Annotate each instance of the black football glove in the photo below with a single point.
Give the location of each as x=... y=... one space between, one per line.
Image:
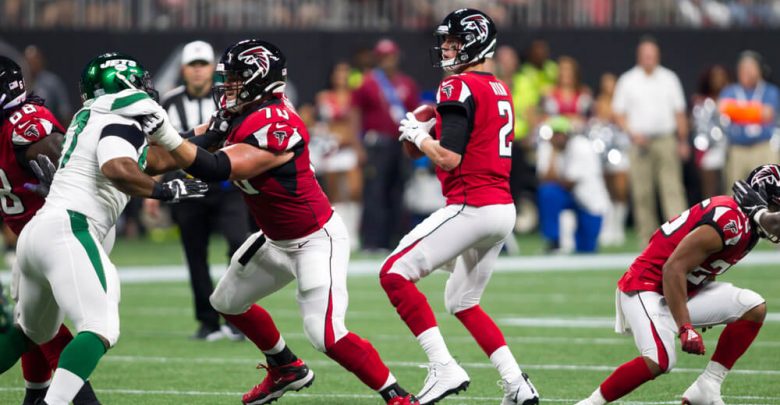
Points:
x=44 y=170
x=750 y=200
x=219 y=129
x=179 y=189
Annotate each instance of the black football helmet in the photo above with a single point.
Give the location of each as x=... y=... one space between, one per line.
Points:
x=248 y=71
x=12 y=87
x=477 y=33
x=765 y=180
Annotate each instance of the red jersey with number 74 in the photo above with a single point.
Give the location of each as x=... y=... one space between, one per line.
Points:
x=22 y=126
x=482 y=178
x=721 y=213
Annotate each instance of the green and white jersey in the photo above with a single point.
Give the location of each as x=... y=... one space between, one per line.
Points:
x=104 y=129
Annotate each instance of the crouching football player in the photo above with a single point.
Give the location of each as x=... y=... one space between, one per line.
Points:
x=670 y=290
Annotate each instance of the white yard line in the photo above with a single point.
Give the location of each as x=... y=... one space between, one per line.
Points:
x=464 y=397
x=513 y=264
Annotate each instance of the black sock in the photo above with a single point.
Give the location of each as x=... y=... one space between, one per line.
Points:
x=286 y=356
x=32 y=394
x=394 y=390
x=86 y=396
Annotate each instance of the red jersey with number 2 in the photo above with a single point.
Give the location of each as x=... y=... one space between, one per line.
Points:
x=21 y=127
x=482 y=178
x=721 y=213
x=286 y=201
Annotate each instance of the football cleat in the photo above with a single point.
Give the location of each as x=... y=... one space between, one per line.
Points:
x=702 y=392
x=280 y=379
x=407 y=400
x=443 y=379
x=519 y=392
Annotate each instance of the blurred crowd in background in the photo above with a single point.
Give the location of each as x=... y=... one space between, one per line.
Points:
x=378 y=14
x=587 y=162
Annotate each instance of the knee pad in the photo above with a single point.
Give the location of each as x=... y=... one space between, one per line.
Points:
x=222 y=301
x=314 y=328
x=749 y=299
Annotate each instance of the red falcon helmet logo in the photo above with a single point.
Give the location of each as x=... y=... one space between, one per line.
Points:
x=258 y=56
x=768 y=174
x=477 y=23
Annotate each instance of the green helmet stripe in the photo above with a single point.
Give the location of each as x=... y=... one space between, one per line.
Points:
x=125 y=101
x=77 y=126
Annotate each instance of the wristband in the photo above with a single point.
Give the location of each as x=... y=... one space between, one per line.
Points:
x=158 y=192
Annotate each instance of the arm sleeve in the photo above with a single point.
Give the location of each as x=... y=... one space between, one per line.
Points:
x=119 y=140
x=455 y=128
x=210 y=166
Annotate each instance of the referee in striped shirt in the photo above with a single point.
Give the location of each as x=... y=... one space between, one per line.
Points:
x=222 y=210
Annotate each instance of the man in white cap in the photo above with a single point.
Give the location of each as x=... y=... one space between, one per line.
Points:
x=222 y=209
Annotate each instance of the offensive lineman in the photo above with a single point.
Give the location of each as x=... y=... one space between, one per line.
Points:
x=670 y=289
x=28 y=128
x=301 y=238
x=64 y=267
x=474 y=126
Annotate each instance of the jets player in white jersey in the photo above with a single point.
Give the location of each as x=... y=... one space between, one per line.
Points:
x=63 y=251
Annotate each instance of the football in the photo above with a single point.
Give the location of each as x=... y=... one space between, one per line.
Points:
x=422 y=113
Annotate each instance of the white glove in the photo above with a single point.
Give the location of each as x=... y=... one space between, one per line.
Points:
x=158 y=128
x=415 y=131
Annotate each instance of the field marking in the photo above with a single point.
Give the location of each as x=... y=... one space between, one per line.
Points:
x=406 y=364
x=504 y=264
x=465 y=397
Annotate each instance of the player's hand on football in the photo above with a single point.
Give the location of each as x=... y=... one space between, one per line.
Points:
x=415 y=131
x=751 y=201
x=44 y=170
x=179 y=189
x=690 y=340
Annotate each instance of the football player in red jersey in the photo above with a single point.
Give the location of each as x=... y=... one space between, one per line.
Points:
x=28 y=129
x=472 y=150
x=670 y=290
x=301 y=238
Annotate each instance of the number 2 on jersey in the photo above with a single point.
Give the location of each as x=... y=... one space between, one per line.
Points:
x=504 y=143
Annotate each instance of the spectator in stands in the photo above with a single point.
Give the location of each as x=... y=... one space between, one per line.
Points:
x=614 y=150
x=650 y=106
x=709 y=141
x=221 y=210
x=379 y=105
x=362 y=62
x=751 y=104
x=569 y=97
x=47 y=85
x=536 y=77
x=570 y=178
x=342 y=175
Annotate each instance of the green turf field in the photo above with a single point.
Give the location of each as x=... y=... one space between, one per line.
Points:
x=155 y=363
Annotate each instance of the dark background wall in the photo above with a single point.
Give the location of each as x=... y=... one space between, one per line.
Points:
x=310 y=54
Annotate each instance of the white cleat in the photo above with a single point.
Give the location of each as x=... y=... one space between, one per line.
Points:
x=702 y=392
x=443 y=379
x=519 y=392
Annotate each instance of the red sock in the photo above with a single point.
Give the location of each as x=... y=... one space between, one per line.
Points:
x=35 y=367
x=482 y=328
x=734 y=341
x=53 y=348
x=358 y=356
x=409 y=302
x=257 y=325
x=625 y=379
